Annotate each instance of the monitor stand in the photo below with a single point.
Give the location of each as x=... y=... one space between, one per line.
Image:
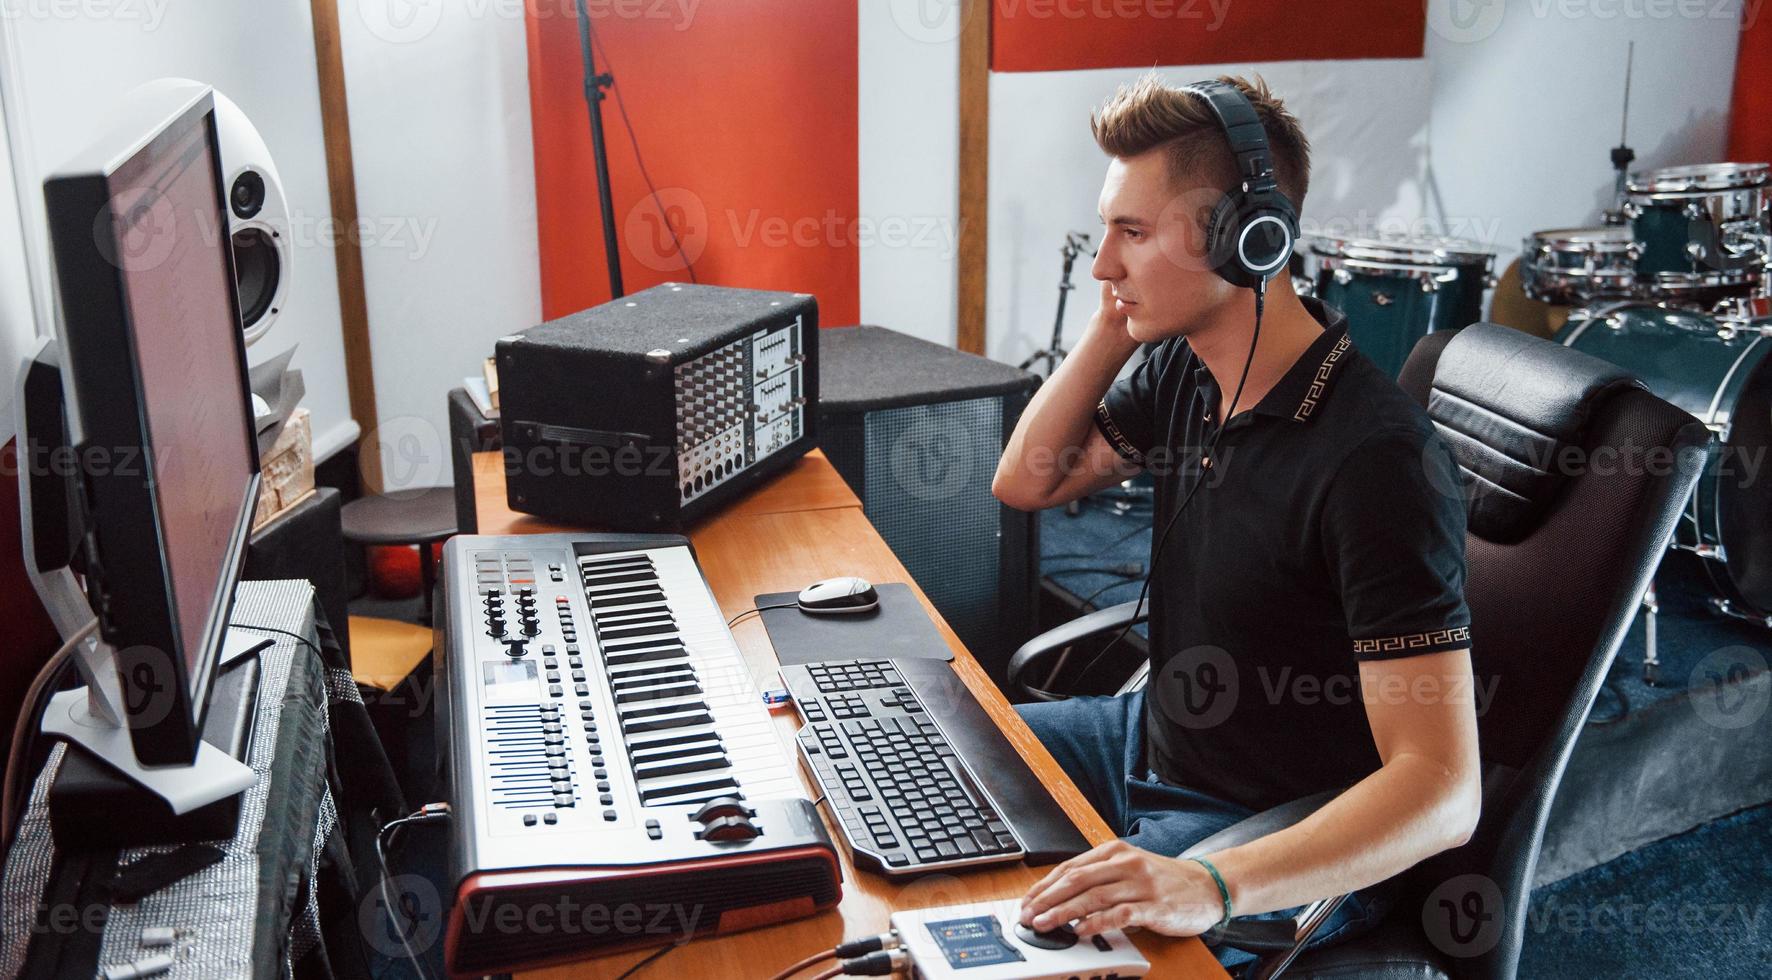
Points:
x=92 y=717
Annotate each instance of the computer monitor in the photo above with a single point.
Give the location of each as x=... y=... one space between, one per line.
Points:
x=158 y=404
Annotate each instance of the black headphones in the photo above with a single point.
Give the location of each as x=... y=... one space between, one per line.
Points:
x=1253 y=227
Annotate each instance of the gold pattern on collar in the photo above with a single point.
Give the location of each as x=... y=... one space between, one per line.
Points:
x=1320 y=383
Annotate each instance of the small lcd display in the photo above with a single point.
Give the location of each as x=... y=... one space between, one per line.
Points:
x=510 y=680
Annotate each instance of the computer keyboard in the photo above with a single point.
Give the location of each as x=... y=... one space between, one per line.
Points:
x=904 y=800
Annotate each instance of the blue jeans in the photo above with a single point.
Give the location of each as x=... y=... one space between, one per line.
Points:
x=1099 y=742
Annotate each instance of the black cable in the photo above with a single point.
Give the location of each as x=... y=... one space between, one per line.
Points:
x=383 y=841
x=1097 y=594
x=1211 y=452
x=650 y=959
x=1131 y=569
x=622 y=107
x=747 y=612
x=272 y=629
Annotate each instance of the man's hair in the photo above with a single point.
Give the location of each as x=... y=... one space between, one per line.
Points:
x=1151 y=115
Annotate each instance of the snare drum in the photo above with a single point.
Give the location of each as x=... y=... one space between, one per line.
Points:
x=1720 y=373
x=1397 y=290
x=1703 y=230
x=1574 y=266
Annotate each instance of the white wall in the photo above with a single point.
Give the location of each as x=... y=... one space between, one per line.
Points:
x=18 y=325
x=909 y=120
x=1528 y=99
x=67 y=64
x=440 y=129
x=1046 y=172
x=1502 y=128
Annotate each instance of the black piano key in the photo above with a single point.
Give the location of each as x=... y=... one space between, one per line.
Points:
x=644 y=710
x=664 y=741
x=662 y=723
x=678 y=767
x=659 y=628
x=654 y=655
x=697 y=791
x=643 y=676
x=677 y=747
x=601 y=603
x=641 y=695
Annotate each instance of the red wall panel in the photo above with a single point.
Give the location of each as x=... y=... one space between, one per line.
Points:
x=746 y=114
x=1750 y=111
x=1056 y=35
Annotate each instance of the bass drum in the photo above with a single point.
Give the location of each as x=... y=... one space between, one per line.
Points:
x=1721 y=374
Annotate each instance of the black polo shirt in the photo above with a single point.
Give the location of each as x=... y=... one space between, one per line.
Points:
x=1330 y=530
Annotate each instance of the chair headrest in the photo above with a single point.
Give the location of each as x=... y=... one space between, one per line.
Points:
x=1510 y=404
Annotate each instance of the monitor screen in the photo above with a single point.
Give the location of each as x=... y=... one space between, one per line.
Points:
x=171 y=241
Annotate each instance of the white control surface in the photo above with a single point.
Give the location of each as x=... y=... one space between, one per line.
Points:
x=985 y=942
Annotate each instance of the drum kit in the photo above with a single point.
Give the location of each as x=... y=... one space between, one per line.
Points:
x=1677 y=296
x=1676 y=289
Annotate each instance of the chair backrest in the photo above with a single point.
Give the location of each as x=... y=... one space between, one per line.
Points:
x=1574 y=478
x=31 y=636
x=469 y=432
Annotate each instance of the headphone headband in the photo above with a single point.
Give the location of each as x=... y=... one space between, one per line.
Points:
x=1252 y=231
x=1242 y=129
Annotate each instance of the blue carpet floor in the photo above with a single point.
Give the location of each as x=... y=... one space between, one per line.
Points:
x=1696 y=905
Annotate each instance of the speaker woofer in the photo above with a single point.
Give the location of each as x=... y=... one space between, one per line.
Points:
x=257 y=272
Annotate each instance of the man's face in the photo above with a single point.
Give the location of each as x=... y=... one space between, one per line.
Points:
x=1154 y=249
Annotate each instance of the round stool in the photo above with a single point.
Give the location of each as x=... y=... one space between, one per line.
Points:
x=421 y=517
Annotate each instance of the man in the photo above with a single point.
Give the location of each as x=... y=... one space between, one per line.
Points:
x=1308 y=630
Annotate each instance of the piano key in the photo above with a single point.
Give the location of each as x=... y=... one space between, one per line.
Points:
x=644 y=772
x=653 y=692
x=659 y=723
x=652 y=706
x=664 y=791
x=653 y=655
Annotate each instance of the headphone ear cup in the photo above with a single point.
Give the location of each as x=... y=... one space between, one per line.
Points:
x=1221 y=240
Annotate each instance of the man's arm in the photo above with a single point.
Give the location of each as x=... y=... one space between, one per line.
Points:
x=1056 y=455
x=1423 y=799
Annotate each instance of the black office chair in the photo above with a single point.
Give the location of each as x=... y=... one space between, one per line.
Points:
x=1557 y=563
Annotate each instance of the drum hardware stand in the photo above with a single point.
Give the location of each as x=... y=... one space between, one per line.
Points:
x=1726 y=608
x=1622 y=154
x=1075 y=244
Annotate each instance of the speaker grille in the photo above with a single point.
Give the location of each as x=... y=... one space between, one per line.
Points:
x=927 y=489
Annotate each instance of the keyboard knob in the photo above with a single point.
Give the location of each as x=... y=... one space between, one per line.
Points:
x=728 y=829
x=725 y=806
x=516 y=649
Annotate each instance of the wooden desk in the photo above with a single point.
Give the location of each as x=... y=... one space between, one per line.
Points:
x=802 y=526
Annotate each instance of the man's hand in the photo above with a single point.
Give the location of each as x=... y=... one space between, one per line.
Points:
x=1118 y=886
x=1110 y=323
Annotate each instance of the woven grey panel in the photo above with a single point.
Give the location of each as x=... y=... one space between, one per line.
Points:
x=218 y=903
x=929 y=470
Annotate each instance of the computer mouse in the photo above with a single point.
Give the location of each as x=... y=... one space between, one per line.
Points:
x=843 y=594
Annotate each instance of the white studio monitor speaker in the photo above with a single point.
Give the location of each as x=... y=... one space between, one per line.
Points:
x=258 y=215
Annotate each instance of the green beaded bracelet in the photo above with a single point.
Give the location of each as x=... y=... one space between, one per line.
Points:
x=1224 y=892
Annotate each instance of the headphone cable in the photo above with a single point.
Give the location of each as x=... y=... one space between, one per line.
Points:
x=1211 y=450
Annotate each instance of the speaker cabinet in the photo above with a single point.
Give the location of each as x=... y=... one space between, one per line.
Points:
x=916 y=429
x=257 y=213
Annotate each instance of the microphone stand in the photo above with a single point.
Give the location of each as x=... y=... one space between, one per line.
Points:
x=1075 y=244
x=594 y=85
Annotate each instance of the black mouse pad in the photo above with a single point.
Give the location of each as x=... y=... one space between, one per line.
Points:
x=898 y=629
